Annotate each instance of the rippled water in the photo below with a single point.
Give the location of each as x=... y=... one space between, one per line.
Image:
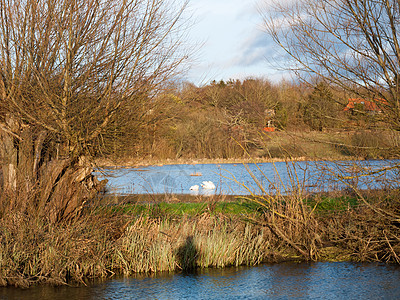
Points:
x=270 y=177
x=322 y=280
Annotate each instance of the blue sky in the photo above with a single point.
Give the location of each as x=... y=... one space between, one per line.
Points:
x=233 y=44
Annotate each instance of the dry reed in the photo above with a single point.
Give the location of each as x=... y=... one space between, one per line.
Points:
x=98 y=246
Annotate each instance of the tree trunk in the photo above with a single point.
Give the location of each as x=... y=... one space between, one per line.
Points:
x=9 y=158
x=35 y=180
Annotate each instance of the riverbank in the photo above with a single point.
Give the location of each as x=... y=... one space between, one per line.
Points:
x=129 y=239
x=131 y=163
x=282 y=146
x=137 y=163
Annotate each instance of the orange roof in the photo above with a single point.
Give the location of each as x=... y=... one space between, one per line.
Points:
x=368 y=105
x=269 y=129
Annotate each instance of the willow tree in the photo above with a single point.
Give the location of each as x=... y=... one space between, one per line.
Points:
x=67 y=68
x=352 y=44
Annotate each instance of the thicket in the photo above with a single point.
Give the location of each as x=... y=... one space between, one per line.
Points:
x=70 y=71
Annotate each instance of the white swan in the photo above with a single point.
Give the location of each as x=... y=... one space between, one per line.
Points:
x=209 y=185
x=194 y=188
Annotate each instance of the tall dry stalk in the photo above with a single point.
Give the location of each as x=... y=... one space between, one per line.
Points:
x=286 y=214
x=372 y=230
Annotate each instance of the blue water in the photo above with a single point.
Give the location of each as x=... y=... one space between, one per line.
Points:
x=321 y=280
x=244 y=179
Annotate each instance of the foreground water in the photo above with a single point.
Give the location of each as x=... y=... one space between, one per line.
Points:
x=321 y=280
x=242 y=179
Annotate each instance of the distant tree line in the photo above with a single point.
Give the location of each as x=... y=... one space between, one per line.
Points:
x=226 y=119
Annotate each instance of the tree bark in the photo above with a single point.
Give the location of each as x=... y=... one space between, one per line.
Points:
x=36 y=180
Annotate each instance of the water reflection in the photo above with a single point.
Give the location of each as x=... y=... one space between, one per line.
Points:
x=271 y=281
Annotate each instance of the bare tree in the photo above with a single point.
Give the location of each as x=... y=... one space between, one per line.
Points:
x=353 y=44
x=67 y=68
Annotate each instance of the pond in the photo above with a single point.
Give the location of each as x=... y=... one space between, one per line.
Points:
x=320 y=280
x=243 y=179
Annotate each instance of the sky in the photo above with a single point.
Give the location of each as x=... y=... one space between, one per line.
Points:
x=232 y=42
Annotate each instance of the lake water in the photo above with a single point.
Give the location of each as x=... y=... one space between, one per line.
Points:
x=321 y=280
x=240 y=179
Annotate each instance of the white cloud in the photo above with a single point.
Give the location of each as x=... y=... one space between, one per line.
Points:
x=234 y=45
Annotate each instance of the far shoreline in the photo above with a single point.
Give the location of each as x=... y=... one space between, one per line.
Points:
x=137 y=163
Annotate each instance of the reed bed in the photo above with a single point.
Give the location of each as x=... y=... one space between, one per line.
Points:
x=103 y=241
x=99 y=245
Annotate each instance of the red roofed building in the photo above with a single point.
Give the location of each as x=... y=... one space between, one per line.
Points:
x=369 y=106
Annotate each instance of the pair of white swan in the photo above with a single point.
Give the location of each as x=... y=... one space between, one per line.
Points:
x=208 y=185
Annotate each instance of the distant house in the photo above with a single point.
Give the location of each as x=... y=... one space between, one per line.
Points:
x=269 y=118
x=366 y=105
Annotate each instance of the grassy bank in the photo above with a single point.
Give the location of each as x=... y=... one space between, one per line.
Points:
x=134 y=238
